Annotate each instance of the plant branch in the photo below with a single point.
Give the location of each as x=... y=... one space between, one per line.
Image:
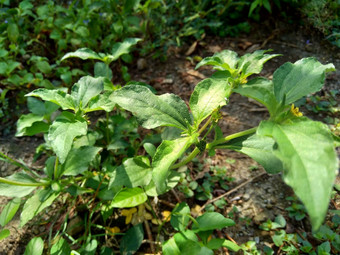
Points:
x=233 y=136
x=205 y=125
x=187 y=159
x=28 y=184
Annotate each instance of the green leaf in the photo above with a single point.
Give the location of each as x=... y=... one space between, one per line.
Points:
x=132 y=173
x=83 y=53
x=35 y=247
x=211 y=221
x=172 y=180
x=293 y=81
x=122 y=48
x=15 y=190
x=103 y=101
x=261 y=90
x=4 y=234
x=309 y=160
x=215 y=243
x=35 y=204
x=102 y=70
x=59 y=97
x=79 y=159
x=150 y=148
x=170 y=247
x=151 y=110
x=252 y=63
x=85 y=89
x=187 y=242
x=166 y=154
x=208 y=95
x=61 y=247
x=224 y=60
x=62 y=132
x=129 y=198
x=259 y=148
x=9 y=211
x=13 y=32
x=180 y=217
x=91 y=247
x=38 y=107
x=25 y=121
x=44 y=67
x=132 y=240
x=231 y=246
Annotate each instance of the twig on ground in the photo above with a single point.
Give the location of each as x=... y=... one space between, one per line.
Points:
x=149 y=234
x=167 y=203
x=231 y=191
x=176 y=196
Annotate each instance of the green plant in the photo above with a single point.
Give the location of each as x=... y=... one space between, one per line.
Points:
x=197 y=239
x=82 y=164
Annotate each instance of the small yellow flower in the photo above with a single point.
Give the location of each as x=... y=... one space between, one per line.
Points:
x=113 y=230
x=166 y=216
x=295 y=111
x=128 y=214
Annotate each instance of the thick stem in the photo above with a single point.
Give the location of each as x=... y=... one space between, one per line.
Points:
x=233 y=136
x=187 y=159
x=56 y=165
x=28 y=184
x=205 y=125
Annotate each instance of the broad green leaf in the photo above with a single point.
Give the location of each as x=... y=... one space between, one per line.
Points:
x=261 y=90
x=180 y=217
x=9 y=190
x=132 y=240
x=231 y=246
x=13 y=32
x=61 y=247
x=102 y=70
x=170 y=247
x=129 y=198
x=252 y=63
x=91 y=247
x=9 y=211
x=59 y=97
x=151 y=110
x=38 y=107
x=83 y=53
x=187 y=242
x=166 y=154
x=44 y=67
x=26 y=121
x=35 y=204
x=119 y=49
x=85 y=89
x=79 y=159
x=36 y=128
x=293 y=81
x=150 y=148
x=259 y=148
x=208 y=95
x=309 y=160
x=62 y=132
x=103 y=101
x=224 y=60
x=4 y=234
x=132 y=173
x=215 y=243
x=35 y=247
x=211 y=221
x=172 y=180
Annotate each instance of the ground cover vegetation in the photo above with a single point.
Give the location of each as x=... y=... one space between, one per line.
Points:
x=111 y=171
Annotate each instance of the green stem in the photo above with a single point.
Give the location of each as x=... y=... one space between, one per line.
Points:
x=233 y=136
x=187 y=159
x=16 y=163
x=205 y=125
x=56 y=165
x=11 y=182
